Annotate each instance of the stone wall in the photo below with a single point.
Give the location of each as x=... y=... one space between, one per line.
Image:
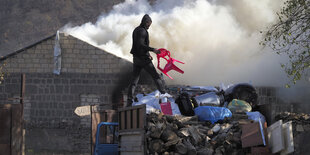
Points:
x=89 y=76
x=272 y=102
x=267 y=99
x=77 y=57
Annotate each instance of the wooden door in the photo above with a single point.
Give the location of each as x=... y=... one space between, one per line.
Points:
x=10 y=129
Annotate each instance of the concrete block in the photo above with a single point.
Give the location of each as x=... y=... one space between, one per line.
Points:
x=12 y=88
x=93 y=71
x=59 y=89
x=66 y=89
x=56 y=81
x=58 y=98
x=21 y=60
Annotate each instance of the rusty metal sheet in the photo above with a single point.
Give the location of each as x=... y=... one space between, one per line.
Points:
x=251 y=135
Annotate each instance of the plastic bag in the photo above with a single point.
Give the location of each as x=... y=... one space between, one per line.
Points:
x=207 y=99
x=256 y=116
x=239 y=106
x=174 y=107
x=185 y=105
x=152 y=102
x=57 y=55
x=212 y=114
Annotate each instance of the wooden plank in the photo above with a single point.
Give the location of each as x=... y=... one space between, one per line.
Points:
x=128 y=119
x=133 y=107
x=135 y=119
x=103 y=117
x=5 y=149
x=141 y=117
x=5 y=129
x=119 y=123
x=5 y=126
x=23 y=88
x=122 y=119
x=111 y=116
x=95 y=120
x=17 y=137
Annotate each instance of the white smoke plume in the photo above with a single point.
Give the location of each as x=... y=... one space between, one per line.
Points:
x=217 y=39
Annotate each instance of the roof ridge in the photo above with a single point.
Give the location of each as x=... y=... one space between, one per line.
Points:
x=25 y=48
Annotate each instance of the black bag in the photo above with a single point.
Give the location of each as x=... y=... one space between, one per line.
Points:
x=185 y=105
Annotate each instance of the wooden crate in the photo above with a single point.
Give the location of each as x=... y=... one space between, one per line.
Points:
x=132 y=118
x=132 y=122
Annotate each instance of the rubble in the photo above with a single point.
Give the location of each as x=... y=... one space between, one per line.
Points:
x=186 y=135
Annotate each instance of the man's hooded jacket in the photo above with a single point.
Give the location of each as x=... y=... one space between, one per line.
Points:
x=140 y=37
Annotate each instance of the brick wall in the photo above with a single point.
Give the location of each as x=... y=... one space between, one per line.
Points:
x=77 y=57
x=88 y=76
x=267 y=99
x=266 y=95
x=272 y=102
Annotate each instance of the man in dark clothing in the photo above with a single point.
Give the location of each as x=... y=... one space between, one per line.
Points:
x=142 y=58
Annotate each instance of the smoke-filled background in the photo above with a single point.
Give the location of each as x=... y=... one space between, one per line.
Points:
x=217 y=39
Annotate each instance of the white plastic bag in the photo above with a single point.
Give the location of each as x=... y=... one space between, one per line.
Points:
x=57 y=55
x=152 y=102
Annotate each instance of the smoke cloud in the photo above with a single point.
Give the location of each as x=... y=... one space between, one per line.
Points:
x=217 y=39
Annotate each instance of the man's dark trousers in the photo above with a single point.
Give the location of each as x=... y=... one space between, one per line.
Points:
x=140 y=63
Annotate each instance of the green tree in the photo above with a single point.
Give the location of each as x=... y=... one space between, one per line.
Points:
x=290 y=35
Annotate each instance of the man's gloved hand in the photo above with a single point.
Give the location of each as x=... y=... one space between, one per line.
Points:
x=156 y=51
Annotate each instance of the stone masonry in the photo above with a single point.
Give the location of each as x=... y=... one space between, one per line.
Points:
x=89 y=76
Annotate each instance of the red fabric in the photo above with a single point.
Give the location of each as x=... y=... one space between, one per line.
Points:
x=170 y=62
x=166 y=108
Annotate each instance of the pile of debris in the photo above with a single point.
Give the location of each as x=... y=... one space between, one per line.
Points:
x=296 y=118
x=300 y=127
x=178 y=134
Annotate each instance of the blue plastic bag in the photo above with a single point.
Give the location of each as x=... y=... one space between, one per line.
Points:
x=212 y=114
x=256 y=116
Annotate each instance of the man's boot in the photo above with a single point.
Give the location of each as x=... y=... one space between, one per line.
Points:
x=129 y=103
x=160 y=85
